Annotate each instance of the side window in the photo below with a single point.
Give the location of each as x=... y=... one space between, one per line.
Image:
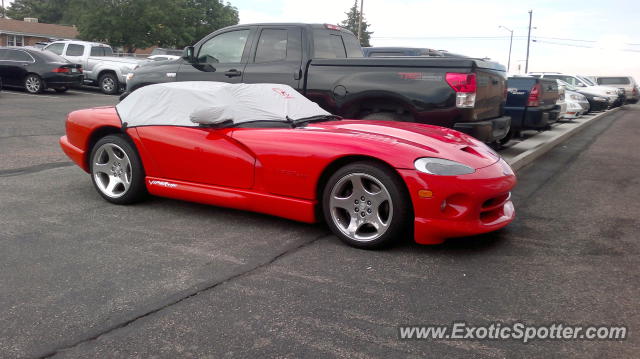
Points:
x=352 y=45
x=272 y=46
x=75 y=50
x=224 y=48
x=56 y=48
x=21 y=56
x=97 y=51
x=328 y=46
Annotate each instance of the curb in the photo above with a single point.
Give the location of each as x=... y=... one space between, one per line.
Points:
x=546 y=141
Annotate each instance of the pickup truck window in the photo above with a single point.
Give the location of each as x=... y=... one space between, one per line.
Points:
x=224 y=48
x=352 y=45
x=75 y=50
x=272 y=46
x=101 y=51
x=328 y=46
x=56 y=48
x=614 y=81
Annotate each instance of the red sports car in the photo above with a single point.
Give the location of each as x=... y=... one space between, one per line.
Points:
x=266 y=148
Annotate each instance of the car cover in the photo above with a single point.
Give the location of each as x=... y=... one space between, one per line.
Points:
x=185 y=103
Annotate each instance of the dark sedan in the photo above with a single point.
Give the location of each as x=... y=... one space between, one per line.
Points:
x=36 y=70
x=596 y=102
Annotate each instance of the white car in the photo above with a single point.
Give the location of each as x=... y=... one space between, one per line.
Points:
x=576 y=103
x=611 y=93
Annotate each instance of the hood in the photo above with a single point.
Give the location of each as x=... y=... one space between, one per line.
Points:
x=433 y=141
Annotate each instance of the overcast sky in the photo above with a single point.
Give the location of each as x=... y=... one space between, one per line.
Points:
x=609 y=28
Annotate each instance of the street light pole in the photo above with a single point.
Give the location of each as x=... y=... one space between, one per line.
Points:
x=526 y=66
x=510 y=45
x=359 y=20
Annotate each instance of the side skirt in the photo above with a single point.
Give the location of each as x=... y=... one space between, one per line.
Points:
x=286 y=207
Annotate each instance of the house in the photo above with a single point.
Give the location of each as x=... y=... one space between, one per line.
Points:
x=30 y=32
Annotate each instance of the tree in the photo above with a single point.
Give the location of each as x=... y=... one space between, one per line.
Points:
x=351 y=23
x=47 y=11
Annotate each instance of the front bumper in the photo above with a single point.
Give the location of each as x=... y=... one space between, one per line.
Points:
x=486 y=131
x=461 y=205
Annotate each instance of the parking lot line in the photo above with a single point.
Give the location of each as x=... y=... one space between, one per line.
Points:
x=88 y=93
x=27 y=94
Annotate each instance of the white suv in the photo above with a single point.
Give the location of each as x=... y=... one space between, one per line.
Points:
x=613 y=94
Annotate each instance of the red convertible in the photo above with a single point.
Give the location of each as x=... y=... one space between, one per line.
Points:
x=266 y=148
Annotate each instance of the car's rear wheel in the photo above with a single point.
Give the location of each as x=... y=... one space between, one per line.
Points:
x=33 y=84
x=116 y=170
x=366 y=205
x=109 y=84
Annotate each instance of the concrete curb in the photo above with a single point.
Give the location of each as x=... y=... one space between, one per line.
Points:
x=544 y=142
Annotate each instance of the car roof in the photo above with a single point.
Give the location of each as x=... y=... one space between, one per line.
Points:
x=78 y=42
x=311 y=26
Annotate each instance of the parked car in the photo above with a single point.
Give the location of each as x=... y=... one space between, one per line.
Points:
x=614 y=95
x=531 y=103
x=101 y=67
x=627 y=83
x=576 y=103
x=561 y=103
x=284 y=155
x=325 y=64
x=400 y=51
x=36 y=70
x=588 y=102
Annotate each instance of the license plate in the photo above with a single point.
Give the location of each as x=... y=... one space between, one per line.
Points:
x=74 y=70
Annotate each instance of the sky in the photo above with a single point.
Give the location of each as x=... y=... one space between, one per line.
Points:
x=608 y=29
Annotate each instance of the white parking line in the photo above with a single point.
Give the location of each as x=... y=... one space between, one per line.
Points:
x=28 y=94
x=88 y=93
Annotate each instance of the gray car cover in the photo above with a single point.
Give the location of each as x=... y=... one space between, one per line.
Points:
x=199 y=102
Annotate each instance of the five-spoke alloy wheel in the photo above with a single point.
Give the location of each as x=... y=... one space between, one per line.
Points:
x=116 y=170
x=365 y=204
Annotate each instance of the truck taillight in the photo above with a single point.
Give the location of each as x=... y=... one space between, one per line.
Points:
x=534 y=96
x=465 y=87
x=332 y=27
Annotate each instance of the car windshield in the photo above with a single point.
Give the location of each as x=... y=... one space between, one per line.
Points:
x=566 y=85
x=586 y=80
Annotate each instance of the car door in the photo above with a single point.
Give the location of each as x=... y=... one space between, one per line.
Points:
x=74 y=53
x=17 y=64
x=198 y=155
x=221 y=58
x=276 y=57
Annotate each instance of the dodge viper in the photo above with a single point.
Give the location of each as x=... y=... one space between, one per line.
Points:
x=266 y=148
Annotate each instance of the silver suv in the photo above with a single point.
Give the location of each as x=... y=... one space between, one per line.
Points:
x=627 y=83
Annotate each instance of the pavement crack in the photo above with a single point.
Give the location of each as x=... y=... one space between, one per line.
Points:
x=33 y=169
x=193 y=292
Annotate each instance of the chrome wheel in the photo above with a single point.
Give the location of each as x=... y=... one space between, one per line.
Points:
x=361 y=207
x=111 y=169
x=108 y=84
x=33 y=84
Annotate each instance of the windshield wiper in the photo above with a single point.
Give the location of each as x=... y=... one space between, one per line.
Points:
x=319 y=118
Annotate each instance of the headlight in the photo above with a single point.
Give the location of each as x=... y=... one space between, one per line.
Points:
x=441 y=167
x=129 y=76
x=575 y=97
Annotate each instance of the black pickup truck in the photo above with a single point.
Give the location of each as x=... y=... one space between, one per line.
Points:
x=326 y=64
x=531 y=103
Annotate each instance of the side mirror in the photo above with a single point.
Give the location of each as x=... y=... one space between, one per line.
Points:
x=189 y=54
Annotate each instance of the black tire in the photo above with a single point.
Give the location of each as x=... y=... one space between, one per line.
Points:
x=336 y=218
x=61 y=89
x=33 y=84
x=109 y=84
x=137 y=189
x=506 y=138
x=383 y=116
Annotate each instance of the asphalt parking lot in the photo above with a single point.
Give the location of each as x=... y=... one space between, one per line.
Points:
x=84 y=278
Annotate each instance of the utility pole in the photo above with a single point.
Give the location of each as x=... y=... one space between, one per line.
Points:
x=510 y=45
x=359 y=20
x=526 y=66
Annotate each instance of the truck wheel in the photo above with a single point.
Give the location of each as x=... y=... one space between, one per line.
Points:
x=383 y=116
x=33 y=84
x=109 y=84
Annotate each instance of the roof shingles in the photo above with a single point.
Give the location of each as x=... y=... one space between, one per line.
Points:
x=36 y=28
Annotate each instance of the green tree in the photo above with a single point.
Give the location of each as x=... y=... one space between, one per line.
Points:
x=351 y=23
x=47 y=11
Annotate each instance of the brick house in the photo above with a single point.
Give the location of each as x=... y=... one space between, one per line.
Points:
x=29 y=32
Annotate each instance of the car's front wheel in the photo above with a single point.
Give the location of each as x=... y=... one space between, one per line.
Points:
x=33 y=84
x=109 y=84
x=366 y=205
x=116 y=170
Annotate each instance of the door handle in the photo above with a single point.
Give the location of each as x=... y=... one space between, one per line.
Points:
x=233 y=73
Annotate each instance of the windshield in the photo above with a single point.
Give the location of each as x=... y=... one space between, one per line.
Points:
x=586 y=80
x=567 y=85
